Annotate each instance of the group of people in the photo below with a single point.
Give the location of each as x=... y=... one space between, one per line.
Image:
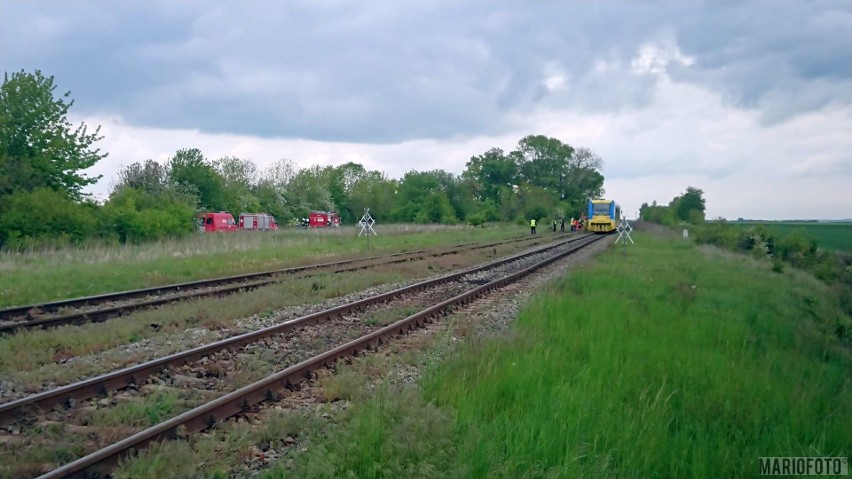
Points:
x=576 y=224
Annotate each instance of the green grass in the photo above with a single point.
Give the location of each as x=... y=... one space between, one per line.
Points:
x=27 y=278
x=676 y=361
x=832 y=236
x=34 y=358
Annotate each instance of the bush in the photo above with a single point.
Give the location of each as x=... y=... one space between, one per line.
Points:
x=44 y=216
x=132 y=215
x=476 y=219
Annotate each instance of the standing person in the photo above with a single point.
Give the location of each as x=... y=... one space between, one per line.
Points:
x=561 y=225
x=554 y=225
x=532 y=226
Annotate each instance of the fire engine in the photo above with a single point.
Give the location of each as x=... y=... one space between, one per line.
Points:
x=323 y=219
x=257 y=222
x=221 y=221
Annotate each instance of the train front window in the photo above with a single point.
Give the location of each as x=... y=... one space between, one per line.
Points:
x=601 y=209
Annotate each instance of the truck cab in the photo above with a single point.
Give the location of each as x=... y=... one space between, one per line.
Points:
x=213 y=222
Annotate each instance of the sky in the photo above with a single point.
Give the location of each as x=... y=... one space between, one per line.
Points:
x=749 y=101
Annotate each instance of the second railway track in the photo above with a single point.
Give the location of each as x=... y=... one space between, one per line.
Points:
x=106 y=306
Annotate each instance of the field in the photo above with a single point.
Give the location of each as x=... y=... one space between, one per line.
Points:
x=833 y=236
x=676 y=361
x=31 y=277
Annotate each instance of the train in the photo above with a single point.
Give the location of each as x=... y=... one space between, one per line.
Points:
x=603 y=216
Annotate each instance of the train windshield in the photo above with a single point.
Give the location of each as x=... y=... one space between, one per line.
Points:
x=601 y=209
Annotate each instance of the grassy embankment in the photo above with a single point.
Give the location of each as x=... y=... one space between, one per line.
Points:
x=678 y=361
x=830 y=236
x=50 y=275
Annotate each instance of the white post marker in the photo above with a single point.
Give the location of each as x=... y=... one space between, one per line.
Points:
x=366 y=224
x=624 y=230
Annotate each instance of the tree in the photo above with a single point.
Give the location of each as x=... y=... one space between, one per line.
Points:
x=375 y=191
x=145 y=204
x=239 y=178
x=690 y=205
x=545 y=162
x=149 y=176
x=39 y=148
x=415 y=195
x=190 y=171
x=307 y=191
x=489 y=172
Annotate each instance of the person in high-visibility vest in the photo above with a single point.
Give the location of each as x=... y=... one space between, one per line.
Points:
x=532 y=226
x=554 y=225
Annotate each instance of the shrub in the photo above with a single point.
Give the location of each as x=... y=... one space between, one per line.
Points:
x=44 y=216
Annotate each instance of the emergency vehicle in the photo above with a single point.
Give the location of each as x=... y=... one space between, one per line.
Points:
x=323 y=219
x=221 y=221
x=257 y=222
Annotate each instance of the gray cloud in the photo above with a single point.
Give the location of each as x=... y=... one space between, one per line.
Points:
x=392 y=71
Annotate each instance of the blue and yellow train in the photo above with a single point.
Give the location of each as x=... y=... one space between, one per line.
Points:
x=603 y=216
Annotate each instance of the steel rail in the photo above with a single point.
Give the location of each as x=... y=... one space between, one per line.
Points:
x=122 y=378
x=233 y=284
x=269 y=388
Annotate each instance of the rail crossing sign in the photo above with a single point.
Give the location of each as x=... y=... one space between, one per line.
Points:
x=624 y=230
x=366 y=224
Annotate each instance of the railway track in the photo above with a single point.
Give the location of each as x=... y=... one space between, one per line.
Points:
x=106 y=306
x=232 y=403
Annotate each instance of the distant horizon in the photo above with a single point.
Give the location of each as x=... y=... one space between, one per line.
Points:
x=811 y=220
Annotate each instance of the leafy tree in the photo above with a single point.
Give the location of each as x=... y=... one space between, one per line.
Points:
x=271 y=189
x=340 y=180
x=308 y=191
x=239 y=178
x=149 y=176
x=39 y=148
x=192 y=173
x=375 y=191
x=145 y=204
x=545 y=162
x=489 y=172
x=415 y=195
x=690 y=205
x=436 y=208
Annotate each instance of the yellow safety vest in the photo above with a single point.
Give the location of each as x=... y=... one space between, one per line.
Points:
x=532 y=223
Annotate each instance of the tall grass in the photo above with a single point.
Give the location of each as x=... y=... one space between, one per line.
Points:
x=672 y=362
x=71 y=272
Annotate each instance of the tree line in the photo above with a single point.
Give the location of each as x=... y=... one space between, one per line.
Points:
x=686 y=208
x=43 y=156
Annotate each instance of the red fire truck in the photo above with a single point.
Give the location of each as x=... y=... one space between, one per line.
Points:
x=257 y=222
x=323 y=219
x=221 y=221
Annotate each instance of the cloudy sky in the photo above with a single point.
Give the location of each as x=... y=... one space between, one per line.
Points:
x=750 y=101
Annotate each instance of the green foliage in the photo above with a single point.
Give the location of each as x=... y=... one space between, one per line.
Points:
x=190 y=171
x=39 y=148
x=44 y=217
x=429 y=197
x=688 y=207
x=238 y=179
x=489 y=172
x=132 y=215
x=375 y=191
x=796 y=248
x=436 y=208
